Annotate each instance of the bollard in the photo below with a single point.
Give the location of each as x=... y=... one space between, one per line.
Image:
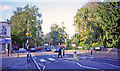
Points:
x=91 y=52
x=75 y=55
x=17 y=54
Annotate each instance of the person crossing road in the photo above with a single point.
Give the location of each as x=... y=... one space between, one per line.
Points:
x=59 y=52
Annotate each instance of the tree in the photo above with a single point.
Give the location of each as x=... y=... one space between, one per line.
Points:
x=100 y=20
x=109 y=13
x=53 y=36
x=23 y=17
x=87 y=22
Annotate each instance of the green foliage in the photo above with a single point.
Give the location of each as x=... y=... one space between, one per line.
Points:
x=53 y=36
x=110 y=19
x=22 y=19
x=98 y=44
x=98 y=20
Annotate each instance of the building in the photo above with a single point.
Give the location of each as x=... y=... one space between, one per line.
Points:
x=5 y=37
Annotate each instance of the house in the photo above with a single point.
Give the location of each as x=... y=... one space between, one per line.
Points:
x=5 y=37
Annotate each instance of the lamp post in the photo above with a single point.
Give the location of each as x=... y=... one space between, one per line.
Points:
x=63 y=36
x=27 y=35
x=91 y=44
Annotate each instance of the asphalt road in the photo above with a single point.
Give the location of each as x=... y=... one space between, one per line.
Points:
x=49 y=60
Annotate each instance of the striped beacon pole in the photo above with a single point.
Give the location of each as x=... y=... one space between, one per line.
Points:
x=27 y=34
x=91 y=44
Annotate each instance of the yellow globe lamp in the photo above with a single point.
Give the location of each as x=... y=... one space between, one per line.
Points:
x=60 y=36
x=65 y=36
x=27 y=34
x=90 y=36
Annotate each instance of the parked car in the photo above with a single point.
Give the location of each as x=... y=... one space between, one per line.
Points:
x=32 y=49
x=39 y=48
x=14 y=47
x=97 y=48
x=48 y=49
x=55 y=49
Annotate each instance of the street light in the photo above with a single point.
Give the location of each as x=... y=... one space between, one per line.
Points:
x=63 y=36
x=27 y=34
x=91 y=44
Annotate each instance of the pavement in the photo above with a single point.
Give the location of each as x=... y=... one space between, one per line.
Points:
x=115 y=55
x=15 y=62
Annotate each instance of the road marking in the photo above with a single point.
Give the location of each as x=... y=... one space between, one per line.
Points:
x=79 y=64
x=34 y=57
x=89 y=67
x=41 y=65
x=85 y=57
x=42 y=60
x=51 y=59
x=114 y=66
x=90 y=57
x=105 y=63
x=82 y=57
x=35 y=63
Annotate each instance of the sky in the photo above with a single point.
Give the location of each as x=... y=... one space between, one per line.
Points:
x=53 y=12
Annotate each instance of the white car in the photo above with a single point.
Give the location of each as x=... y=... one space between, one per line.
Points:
x=32 y=49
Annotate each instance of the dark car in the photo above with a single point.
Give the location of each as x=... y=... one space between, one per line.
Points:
x=48 y=49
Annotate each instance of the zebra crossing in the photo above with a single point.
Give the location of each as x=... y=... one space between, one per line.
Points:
x=81 y=57
x=49 y=60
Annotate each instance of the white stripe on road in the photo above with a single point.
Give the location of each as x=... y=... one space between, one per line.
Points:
x=51 y=59
x=114 y=66
x=89 y=67
x=41 y=65
x=42 y=60
x=79 y=64
x=105 y=63
x=85 y=57
x=82 y=57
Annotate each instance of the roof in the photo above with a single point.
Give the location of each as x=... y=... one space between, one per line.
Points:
x=5 y=22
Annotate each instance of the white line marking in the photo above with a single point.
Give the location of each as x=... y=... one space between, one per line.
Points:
x=51 y=59
x=79 y=64
x=89 y=67
x=42 y=60
x=90 y=57
x=104 y=63
x=114 y=66
x=82 y=57
x=41 y=65
x=35 y=63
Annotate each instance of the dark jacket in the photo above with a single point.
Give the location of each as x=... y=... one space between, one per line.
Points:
x=59 y=50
